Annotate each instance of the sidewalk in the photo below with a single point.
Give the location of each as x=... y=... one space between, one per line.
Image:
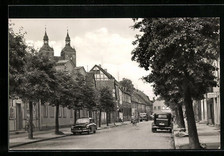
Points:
x=209 y=137
x=21 y=137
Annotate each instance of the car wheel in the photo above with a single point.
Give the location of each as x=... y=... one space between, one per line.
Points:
x=153 y=130
x=73 y=133
x=170 y=130
x=94 y=131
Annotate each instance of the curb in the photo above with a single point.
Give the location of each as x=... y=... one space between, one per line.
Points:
x=64 y=135
x=173 y=140
x=26 y=143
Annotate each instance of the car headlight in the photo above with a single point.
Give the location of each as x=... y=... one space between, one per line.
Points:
x=87 y=126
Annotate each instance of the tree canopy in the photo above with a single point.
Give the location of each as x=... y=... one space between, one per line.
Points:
x=127 y=84
x=106 y=100
x=176 y=49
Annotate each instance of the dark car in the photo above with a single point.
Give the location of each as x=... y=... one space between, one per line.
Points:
x=143 y=116
x=162 y=121
x=84 y=125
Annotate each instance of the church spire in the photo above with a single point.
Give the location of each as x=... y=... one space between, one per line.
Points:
x=45 y=37
x=67 y=39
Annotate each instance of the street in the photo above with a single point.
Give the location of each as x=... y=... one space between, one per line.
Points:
x=122 y=137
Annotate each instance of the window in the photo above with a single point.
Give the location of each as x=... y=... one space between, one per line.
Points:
x=159 y=108
x=154 y=107
x=12 y=113
x=64 y=112
x=45 y=111
x=51 y=111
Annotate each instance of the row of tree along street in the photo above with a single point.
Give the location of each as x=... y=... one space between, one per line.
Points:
x=179 y=52
x=33 y=78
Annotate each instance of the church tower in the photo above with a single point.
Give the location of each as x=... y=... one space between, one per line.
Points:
x=68 y=53
x=46 y=49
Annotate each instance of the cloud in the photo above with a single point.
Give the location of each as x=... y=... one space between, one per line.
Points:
x=112 y=50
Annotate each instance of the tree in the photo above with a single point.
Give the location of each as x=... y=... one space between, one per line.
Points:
x=65 y=94
x=127 y=84
x=84 y=93
x=30 y=75
x=17 y=61
x=106 y=101
x=179 y=51
x=173 y=99
x=37 y=83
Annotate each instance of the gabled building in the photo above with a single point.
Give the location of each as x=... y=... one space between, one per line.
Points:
x=105 y=79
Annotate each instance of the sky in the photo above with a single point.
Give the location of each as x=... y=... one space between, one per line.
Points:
x=107 y=42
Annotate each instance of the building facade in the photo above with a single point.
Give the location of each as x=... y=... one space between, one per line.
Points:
x=208 y=109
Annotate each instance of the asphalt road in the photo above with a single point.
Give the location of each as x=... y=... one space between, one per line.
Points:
x=122 y=137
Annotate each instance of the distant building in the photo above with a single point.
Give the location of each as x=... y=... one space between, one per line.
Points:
x=159 y=106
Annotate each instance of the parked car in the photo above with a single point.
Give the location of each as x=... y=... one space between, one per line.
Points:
x=84 y=125
x=162 y=121
x=143 y=116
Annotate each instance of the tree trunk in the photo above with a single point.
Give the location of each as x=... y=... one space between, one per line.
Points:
x=100 y=119
x=181 y=116
x=30 y=128
x=177 y=119
x=192 y=130
x=56 y=119
x=107 y=118
x=75 y=116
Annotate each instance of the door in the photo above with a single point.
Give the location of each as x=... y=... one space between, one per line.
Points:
x=19 y=122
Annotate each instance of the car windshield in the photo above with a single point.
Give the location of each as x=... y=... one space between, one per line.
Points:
x=80 y=121
x=162 y=116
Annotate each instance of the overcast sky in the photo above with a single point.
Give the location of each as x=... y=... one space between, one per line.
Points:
x=97 y=41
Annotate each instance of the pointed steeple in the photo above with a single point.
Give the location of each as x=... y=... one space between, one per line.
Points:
x=67 y=39
x=45 y=37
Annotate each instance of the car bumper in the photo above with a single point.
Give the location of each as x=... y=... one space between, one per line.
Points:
x=80 y=130
x=158 y=127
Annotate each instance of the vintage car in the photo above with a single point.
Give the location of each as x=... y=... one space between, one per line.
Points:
x=84 y=125
x=143 y=116
x=162 y=121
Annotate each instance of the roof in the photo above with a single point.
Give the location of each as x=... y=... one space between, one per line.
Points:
x=105 y=72
x=140 y=97
x=68 y=48
x=46 y=47
x=80 y=68
x=62 y=61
